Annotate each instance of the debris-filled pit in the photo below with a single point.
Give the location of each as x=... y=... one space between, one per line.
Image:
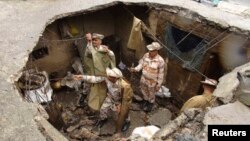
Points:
x=192 y=49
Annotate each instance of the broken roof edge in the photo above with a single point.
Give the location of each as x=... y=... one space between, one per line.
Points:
x=203 y=18
x=172 y=7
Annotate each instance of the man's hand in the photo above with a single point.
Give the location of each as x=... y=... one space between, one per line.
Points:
x=88 y=37
x=77 y=77
x=105 y=48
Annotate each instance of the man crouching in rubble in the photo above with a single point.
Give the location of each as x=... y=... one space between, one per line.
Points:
x=118 y=100
x=152 y=65
x=204 y=100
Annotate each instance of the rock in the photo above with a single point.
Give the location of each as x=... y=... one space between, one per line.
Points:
x=243 y=91
x=186 y=130
x=171 y=127
x=160 y=117
x=137 y=119
x=136 y=138
x=167 y=130
x=194 y=127
x=69 y=118
x=191 y=113
x=79 y=111
x=84 y=122
x=225 y=88
x=228 y=84
x=137 y=98
x=185 y=137
x=233 y=113
x=135 y=107
x=108 y=128
x=84 y=133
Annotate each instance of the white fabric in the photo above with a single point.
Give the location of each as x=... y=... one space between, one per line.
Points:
x=96 y=35
x=115 y=72
x=209 y=82
x=146 y=132
x=163 y=92
x=154 y=46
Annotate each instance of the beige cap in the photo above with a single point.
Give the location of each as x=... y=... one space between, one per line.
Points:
x=115 y=72
x=154 y=46
x=209 y=81
x=97 y=35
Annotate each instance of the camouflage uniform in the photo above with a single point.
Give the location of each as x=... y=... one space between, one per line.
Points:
x=114 y=96
x=152 y=75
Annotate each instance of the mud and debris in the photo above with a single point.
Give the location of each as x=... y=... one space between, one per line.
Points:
x=77 y=122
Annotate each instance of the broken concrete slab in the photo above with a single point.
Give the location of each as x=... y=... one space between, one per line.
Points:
x=160 y=117
x=233 y=113
x=137 y=119
x=228 y=84
x=233 y=8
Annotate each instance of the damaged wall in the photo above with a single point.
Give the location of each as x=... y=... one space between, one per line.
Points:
x=61 y=50
x=216 y=47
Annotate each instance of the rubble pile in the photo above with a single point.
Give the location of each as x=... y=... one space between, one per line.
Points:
x=188 y=125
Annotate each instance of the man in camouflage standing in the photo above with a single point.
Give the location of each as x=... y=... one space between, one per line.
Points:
x=152 y=66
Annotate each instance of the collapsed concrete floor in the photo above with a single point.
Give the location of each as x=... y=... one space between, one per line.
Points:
x=77 y=122
x=17 y=121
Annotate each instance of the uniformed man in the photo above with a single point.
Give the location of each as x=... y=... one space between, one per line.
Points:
x=204 y=100
x=152 y=66
x=97 y=58
x=119 y=96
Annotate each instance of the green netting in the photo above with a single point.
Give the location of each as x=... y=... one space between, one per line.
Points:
x=190 y=60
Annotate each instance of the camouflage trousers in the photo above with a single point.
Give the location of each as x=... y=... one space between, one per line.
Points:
x=108 y=109
x=148 y=89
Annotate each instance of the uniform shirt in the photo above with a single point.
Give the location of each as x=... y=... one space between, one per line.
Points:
x=114 y=89
x=199 y=101
x=152 y=68
x=102 y=48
